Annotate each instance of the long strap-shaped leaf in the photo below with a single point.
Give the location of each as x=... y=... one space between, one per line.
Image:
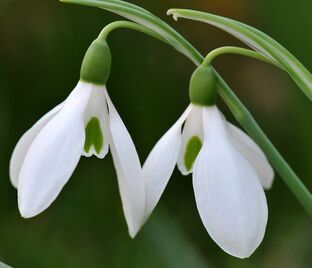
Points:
x=2 y=265
x=257 y=40
x=241 y=113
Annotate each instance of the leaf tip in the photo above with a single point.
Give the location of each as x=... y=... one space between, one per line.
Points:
x=173 y=13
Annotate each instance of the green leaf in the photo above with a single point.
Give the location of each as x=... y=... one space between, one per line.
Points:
x=2 y=265
x=257 y=40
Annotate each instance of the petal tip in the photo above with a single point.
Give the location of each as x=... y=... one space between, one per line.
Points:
x=26 y=210
x=133 y=232
x=25 y=213
x=132 y=235
x=243 y=254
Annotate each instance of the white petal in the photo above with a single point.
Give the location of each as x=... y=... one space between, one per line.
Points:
x=160 y=163
x=53 y=155
x=24 y=143
x=129 y=171
x=97 y=107
x=193 y=128
x=229 y=196
x=251 y=151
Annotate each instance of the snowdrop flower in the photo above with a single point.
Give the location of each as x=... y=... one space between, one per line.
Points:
x=229 y=170
x=87 y=124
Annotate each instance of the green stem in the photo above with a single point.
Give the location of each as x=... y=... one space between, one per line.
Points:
x=244 y=117
x=258 y=41
x=129 y=25
x=235 y=50
x=240 y=112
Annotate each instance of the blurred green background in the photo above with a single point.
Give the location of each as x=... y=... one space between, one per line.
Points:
x=41 y=49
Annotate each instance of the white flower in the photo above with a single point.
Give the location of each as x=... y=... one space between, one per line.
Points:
x=229 y=173
x=47 y=155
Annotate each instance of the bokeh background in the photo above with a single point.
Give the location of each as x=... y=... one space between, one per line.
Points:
x=41 y=49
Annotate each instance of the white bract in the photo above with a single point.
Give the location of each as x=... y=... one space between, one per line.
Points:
x=86 y=123
x=229 y=174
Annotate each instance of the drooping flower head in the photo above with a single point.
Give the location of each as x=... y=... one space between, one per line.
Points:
x=229 y=170
x=87 y=124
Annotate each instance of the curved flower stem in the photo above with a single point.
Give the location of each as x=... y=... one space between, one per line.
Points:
x=235 y=50
x=256 y=40
x=238 y=109
x=129 y=25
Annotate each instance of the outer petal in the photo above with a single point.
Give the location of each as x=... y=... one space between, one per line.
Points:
x=97 y=107
x=24 y=143
x=193 y=127
x=129 y=171
x=160 y=163
x=53 y=155
x=229 y=196
x=251 y=151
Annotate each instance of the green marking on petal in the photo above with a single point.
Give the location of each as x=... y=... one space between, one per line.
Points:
x=192 y=149
x=94 y=135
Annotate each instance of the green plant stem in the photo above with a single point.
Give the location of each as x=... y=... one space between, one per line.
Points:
x=235 y=50
x=244 y=117
x=258 y=41
x=238 y=109
x=129 y=25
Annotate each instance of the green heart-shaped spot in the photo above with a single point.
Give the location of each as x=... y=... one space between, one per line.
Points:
x=192 y=149
x=94 y=135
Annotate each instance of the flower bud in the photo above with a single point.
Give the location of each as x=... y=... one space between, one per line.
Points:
x=203 y=87
x=96 y=64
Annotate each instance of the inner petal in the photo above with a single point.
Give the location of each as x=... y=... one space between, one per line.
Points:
x=192 y=137
x=94 y=136
x=97 y=124
x=192 y=149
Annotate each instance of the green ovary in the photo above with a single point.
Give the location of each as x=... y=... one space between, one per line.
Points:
x=192 y=149
x=94 y=135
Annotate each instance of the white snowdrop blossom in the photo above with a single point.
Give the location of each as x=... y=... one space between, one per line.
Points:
x=87 y=124
x=229 y=174
x=229 y=170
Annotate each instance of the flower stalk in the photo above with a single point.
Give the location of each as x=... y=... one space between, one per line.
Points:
x=256 y=40
x=129 y=25
x=238 y=51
